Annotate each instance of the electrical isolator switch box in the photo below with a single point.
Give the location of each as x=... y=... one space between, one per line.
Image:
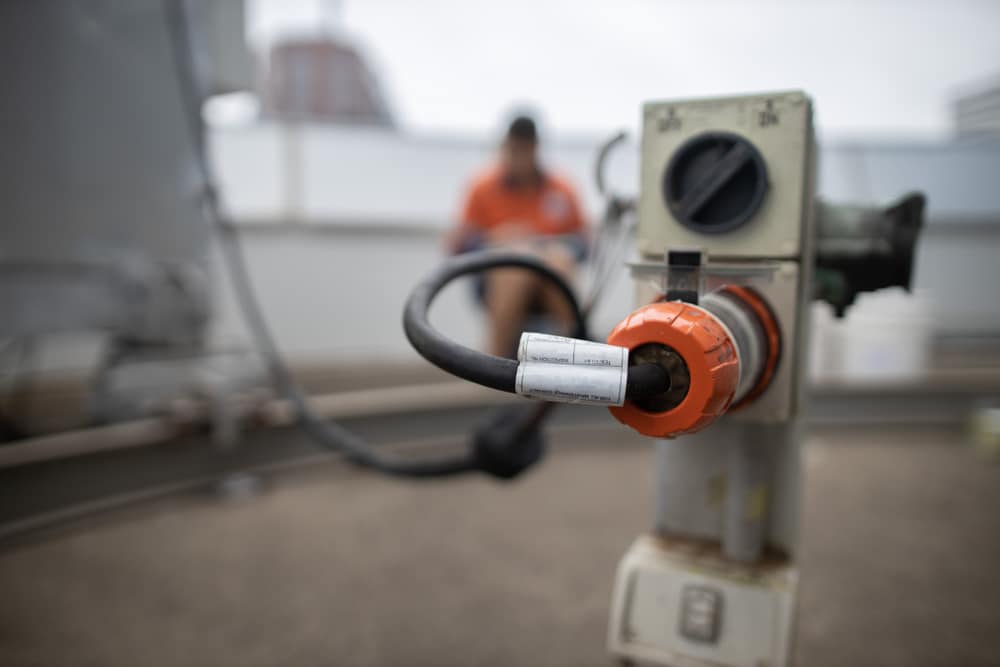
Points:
x=729 y=175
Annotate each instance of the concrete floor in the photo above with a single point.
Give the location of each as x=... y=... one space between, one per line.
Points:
x=901 y=565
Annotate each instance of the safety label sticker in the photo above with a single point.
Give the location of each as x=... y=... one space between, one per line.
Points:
x=571 y=371
x=545 y=348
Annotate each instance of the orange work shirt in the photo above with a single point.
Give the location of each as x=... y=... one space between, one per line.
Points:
x=550 y=208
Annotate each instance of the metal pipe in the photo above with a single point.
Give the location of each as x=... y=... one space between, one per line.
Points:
x=277 y=412
x=747 y=482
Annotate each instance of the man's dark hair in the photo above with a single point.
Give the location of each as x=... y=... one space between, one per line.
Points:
x=523 y=128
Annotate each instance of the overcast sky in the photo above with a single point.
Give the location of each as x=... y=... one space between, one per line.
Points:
x=872 y=67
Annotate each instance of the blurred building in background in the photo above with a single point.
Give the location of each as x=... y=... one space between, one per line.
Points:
x=977 y=111
x=323 y=79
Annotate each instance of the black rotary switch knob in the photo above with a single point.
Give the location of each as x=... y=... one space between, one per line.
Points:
x=715 y=182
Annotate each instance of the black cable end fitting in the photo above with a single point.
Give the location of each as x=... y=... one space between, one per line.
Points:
x=645 y=380
x=509 y=442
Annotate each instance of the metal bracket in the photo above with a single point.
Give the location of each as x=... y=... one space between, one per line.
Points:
x=684 y=275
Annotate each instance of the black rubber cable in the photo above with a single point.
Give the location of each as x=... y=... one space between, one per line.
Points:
x=488 y=370
x=327 y=433
x=479 y=367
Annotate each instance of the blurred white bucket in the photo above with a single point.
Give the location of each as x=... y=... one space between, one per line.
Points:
x=885 y=336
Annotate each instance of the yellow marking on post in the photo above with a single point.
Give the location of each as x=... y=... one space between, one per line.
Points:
x=756 y=503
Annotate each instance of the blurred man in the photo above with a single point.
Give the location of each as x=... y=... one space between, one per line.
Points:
x=517 y=204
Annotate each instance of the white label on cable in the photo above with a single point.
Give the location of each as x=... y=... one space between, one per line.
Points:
x=546 y=349
x=586 y=385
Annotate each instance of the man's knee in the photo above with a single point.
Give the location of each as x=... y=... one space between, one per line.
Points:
x=561 y=260
x=509 y=281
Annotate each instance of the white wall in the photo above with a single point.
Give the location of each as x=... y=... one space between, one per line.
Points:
x=338 y=296
x=339 y=222
x=330 y=175
x=354 y=217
